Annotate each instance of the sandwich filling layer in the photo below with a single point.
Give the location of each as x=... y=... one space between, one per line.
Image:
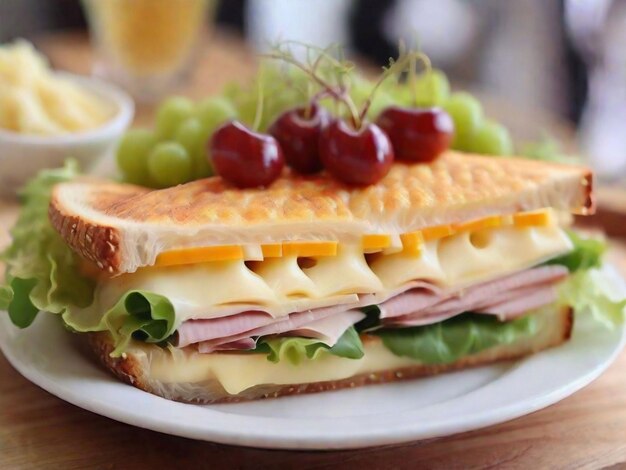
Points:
x=234 y=305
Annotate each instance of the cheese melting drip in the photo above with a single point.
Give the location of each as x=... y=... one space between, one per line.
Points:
x=281 y=286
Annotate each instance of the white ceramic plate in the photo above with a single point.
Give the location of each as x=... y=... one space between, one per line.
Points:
x=367 y=416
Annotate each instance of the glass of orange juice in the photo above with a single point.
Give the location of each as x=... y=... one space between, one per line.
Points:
x=147 y=46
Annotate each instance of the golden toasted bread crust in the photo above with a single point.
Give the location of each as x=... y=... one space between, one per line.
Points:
x=131 y=369
x=105 y=222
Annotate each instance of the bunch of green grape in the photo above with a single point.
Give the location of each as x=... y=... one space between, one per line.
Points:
x=176 y=150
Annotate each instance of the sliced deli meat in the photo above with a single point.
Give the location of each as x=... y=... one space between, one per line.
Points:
x=195 y=331
x=515 y=294
x=328 y=330
x=282 y=326
x=525 y=301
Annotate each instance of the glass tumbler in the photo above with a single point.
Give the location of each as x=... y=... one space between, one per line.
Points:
x=146 y=46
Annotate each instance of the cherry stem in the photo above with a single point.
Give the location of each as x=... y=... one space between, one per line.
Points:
x=412 y=78
x=258 y=113
x=340 y=96
x=390 y=71
x=308 y=109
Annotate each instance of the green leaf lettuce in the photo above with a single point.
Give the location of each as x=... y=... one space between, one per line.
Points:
x=450 y=340
x=41 y=271
x=42 y=274
x=586 y=254
x=138 y=314
x=595 y=292
x=297 y=349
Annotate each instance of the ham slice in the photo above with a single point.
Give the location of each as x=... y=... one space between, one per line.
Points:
x=195 y=331
x=239 y=345
x=328 y=330
x=246 y=324
x=527 y=300
x=407 y=302
x=284 y=325
x=514 y=294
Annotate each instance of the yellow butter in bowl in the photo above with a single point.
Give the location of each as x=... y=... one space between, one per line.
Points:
x=36 y=100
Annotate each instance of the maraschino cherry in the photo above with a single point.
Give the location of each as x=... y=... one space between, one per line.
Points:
x=360 y=156
x=417 y=134
x=298 y=133
x=245 y=158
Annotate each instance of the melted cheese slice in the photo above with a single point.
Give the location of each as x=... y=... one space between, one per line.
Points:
x=281 y=286
x=345 y=273
x=497 y=251
x=285 y=278
x=400 y=268
x=239 y=372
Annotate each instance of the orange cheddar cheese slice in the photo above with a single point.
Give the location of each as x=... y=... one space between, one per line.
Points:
x=272 y=250
x=412 y=242
x=375 y=242
x=310 y=248
x=199 y=255
x=528 y=219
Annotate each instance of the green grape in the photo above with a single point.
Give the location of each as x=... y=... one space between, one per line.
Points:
x=215 y=111
x=132 y=155
x=381 y=100
x=491 y=138
x=188 y=134
x=432 y=88
x=360 y=89
x=278 y=102
x=202 y=165
x=193 y=137
x=428 y=89
x=171 y=113
x=402 y=95
x=246 y=109
x=467 y=114
x=169 y=164
x=328 y=103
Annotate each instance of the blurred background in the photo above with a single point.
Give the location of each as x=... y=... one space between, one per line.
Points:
x=546 y=68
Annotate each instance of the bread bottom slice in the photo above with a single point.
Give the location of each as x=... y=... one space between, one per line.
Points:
x=187 y=376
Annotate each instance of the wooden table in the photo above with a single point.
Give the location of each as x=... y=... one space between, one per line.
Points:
x=587 y=430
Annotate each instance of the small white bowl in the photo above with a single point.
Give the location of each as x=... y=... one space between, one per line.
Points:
x=23 y=155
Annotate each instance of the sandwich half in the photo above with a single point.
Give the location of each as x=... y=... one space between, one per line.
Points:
x=206 y=293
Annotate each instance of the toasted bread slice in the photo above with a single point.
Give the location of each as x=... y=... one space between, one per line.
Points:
x=123 y=227
x=136 y=367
